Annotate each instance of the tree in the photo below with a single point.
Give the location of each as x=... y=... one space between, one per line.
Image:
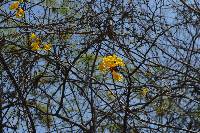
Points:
x=99 y=66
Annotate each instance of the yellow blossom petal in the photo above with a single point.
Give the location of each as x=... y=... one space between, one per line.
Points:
x=14 y=5
x=38 y=40
x=35 y=46
x=116 y=76
x=102 y=67
x=47 y=47
x=20 y=13
x=112 y=61
x=33 y=36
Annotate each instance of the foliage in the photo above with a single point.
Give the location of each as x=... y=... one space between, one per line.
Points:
x=99 y=66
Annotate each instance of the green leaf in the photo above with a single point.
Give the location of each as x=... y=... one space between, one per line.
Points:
x=44 y=119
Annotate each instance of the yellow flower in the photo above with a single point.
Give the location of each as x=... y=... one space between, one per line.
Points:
x=14 y=5
x=113 y=61
x=38 y=40
x=144 y=91
x=102 y=67
x=116 y=76
x=110 y=61
x=47 y=47
x=33 y=36
x=35 y=46
x=20 y=13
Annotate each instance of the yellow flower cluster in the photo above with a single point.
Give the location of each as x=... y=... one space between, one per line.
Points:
x=36 y=43
x=116 y=76
x=16 y=6
x=110 y=63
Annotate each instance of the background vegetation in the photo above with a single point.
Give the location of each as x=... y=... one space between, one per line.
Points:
x=62 y=90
